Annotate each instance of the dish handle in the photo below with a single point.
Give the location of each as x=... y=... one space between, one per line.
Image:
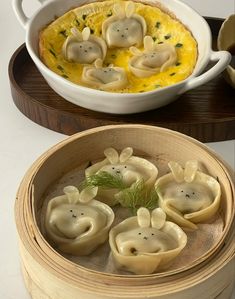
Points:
x=223 y=59
x=19 y=12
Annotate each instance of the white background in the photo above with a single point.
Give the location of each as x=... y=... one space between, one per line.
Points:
x=22 y=141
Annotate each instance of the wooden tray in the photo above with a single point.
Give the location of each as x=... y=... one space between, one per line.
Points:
x=206 y=113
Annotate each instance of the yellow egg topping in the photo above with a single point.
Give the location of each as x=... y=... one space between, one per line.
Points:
x=161 y=26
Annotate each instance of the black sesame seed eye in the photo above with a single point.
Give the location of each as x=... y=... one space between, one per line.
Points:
x=152 y=234
x=113 y=167
x=193 y=193
x=125 y=166
x=182 y=191
x=118 y=30
x=80 y=46
x=123 y=35
x=82 y=214
x=139 y=233
x=71 y=210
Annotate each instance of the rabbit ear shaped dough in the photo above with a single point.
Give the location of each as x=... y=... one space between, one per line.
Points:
x=125 y=28
x=143 y=217
x=105 y=78
x=126 y=154
x=84 y=48
x=154 y=59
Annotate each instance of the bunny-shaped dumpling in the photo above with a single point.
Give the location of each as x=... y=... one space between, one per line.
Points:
x=128 y=167
x=105 y=78
x=187 y=195
x=146 y=243
x=84 y=48
x=125 y=28
x=76 y=223
x=154 y=59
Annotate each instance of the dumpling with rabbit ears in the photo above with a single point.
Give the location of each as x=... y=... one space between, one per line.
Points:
x=187 y=195
x=83 y=48
x=146 y=243
x=130 y=169
x=154 y=59
x=125 y=28
x=76 y=223
x=105 y=78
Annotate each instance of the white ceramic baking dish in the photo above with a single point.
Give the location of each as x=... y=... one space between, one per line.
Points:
x=123 y=103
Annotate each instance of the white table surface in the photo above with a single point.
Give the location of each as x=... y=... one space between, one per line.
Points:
x=22 y=141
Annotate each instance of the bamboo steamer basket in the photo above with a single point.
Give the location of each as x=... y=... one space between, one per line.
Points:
x=49 y=275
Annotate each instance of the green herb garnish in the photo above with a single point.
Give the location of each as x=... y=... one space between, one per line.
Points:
x=63 y=32
x=154 y=38
x=157 y=25
x=52 y=52
x=59 y=67
x=84 y=17
x=179 y=45
x=105 y=180
x=157 y=85
x=78 y=23
x=138 y=196
x=172 y=74
x=178 y=63
x=92 y=31
x=65 y=76
x=160 y=43
x=167 y=36
x=113 y=56
x=109 y=14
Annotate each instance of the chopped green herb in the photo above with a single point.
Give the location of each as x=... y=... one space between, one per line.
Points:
x=178 y=63
x=144 y=85
x=109 y=14
x=138 y=196
x=157 y=25
x=78 y=23
x=52 y=52
x=59 y=67
x=105 y=180
x=172 y=74
x=160 y=43
x=63 y=32
x=154 y=38
x=167 y=36
x=84 y=17
x=92 y=31
x=179 y=45
x=65 y=76
x=100 y=31
x=113 y=56
x=157 y=85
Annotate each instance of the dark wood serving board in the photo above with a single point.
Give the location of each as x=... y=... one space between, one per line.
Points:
x=206 y=113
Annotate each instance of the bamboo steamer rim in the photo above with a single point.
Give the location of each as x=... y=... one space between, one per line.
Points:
x=55 y=264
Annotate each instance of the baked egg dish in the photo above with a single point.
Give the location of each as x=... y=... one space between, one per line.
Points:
x=125 y=47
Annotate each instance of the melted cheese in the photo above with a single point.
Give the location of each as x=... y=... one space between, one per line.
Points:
x=160 y=26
